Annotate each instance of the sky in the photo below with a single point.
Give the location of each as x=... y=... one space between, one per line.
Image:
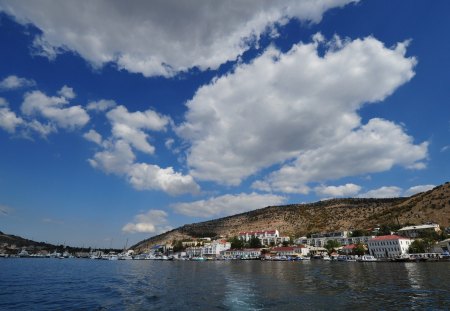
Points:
x=120 y=121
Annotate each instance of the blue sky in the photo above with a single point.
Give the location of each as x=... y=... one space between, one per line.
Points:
x=122 y=121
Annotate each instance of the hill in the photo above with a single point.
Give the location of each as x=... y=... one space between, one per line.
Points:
x=329 y=215
x=22 y=242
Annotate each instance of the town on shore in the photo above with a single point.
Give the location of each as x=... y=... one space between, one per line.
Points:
x=425 y=242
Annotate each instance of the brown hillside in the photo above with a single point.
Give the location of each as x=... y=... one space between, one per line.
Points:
x=336 y=214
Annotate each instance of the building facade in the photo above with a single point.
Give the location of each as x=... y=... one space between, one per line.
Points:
x=389 y=246
x=417 y=231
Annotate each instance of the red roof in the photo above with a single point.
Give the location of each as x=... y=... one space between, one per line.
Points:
x=351 y=246
x=388 y=237
x=257 y=232
x=283 y=249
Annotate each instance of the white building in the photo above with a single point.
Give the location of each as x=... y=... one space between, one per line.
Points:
x=242 y=253
x=389 y=246
x=416 y=231
x=267 y=237
x=290 y=251
x=214 y=248
x=320 y=240
x=210 y=250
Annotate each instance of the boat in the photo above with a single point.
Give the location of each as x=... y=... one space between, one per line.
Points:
x=23 y=253
x=367 y=258
x=326 y=258
x=198 y=259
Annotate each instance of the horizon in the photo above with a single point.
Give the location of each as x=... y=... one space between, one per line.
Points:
x=123 y=122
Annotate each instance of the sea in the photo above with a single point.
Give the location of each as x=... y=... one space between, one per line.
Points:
x=85 y=284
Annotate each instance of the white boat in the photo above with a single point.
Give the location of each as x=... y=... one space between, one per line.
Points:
x=367 y=258
x=326 y=258
x=23 y=253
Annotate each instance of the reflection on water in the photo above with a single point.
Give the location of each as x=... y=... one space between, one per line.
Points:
x=223 y=285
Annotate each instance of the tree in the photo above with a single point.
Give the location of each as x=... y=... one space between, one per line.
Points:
x=332 y=245
x=418 y=246
x=285 y=243
x=359 y=249
x=254 y=242
x=236 y=243
x=359 y=232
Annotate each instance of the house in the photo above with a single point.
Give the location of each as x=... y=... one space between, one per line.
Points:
x=348 y=249
x=213 y=249
x=389 y=246
x=246 y=253
x=267 y=237
x=342 y=237
x=290 y=251
x=417 y=231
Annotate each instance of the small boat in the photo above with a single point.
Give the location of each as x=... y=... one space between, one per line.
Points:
x=367 y=258
x=23 y=253
x=326 y=258
x=198 y=259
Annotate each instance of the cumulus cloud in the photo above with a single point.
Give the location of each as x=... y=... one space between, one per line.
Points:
x=167 y=36
x=294 y=105
x=8 y=119
x=228 y=204
x=383 y=192
x=54 y=109
x=153 y=221
x=101 y=105
x=14 y=82
x=346 y=190
x=93 y=136
x=150 y=177
x=417 y=189
x=130 y=126
x=374 y=147
x=118 y=158
x=67 y=92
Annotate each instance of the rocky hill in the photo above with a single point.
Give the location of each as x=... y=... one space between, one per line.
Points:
x=335 y=214
x=18 y=241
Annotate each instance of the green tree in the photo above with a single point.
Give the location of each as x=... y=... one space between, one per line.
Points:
x=255 y=242
x=236 y=243
x=332 y=245
x=285 y=243
x=359 y=249
x=418 y=246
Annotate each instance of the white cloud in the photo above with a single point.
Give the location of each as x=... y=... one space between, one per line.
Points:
x=417 y=189
x=383 y=192
x=346 y=190
x=374 y=147
x=54 y=109
x=116 y=159
x=151 y=177
x=101 y=105
x=119 y=159
x=42 y=129
x=228 y=204
x=154 y=221
x=166 y=36
x=93 y=136
x=130 y=126
x=295 y=105
x=67 y=92
x=8 y=119
x=14 y=82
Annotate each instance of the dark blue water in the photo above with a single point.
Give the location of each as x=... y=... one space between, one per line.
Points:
x=74 y=284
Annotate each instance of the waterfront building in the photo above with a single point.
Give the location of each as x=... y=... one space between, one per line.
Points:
x=267 y=237
x=194 y=251
x=321 y=239
x=389 y=246
x=213 y=249
x=246 y=253
x=416 y=231
x=290 y=251
x=444 y=245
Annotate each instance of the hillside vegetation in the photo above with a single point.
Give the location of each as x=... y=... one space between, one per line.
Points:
x=330 y=215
